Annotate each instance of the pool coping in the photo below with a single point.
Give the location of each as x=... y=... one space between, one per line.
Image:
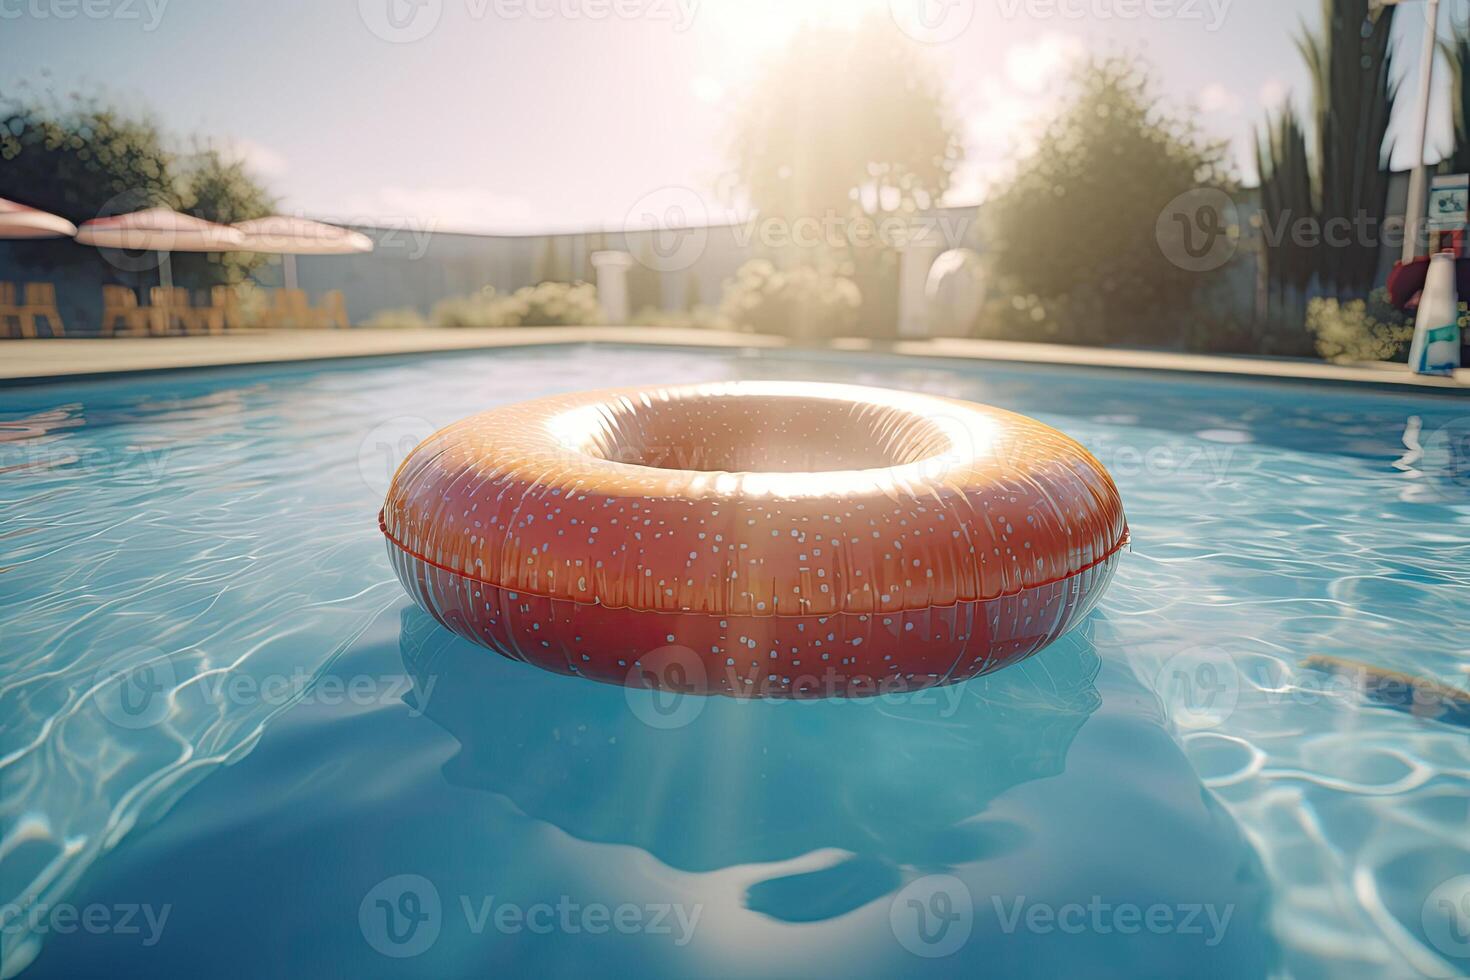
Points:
x=40 y=361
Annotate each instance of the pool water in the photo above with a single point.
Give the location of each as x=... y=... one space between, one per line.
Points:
x=230 y=746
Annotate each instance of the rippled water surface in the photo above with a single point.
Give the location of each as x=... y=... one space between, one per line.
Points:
x=219 y=710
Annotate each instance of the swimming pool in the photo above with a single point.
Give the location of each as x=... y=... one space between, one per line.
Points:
x=231 y=746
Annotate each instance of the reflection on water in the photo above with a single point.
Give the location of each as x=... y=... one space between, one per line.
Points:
x=831 y=839
x=773 y=780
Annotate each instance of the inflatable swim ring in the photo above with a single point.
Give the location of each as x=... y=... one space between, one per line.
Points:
x=766 y=539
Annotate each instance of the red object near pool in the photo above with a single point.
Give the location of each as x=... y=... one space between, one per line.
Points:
x=766 y=539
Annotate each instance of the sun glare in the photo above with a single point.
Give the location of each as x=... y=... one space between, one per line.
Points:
x=753 y=27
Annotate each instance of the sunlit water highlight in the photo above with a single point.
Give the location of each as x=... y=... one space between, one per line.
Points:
x=211 y=538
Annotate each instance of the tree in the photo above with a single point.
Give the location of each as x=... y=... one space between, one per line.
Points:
x=1077 y=223
x=845 y=125
x=220 y=189
x=1352 y=96
x=845 y=120
x=1286 y=202
x=81 y=159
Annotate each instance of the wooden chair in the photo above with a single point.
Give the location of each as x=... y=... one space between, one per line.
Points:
x=189 y=316
x=209 y=318
x=9 y=309
x=171 y=309
x=226 y=301
x=120 y=306
x=39 y=303
x=332 y=311
x=291 y=308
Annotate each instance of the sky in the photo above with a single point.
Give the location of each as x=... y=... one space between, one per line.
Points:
x=542 y=115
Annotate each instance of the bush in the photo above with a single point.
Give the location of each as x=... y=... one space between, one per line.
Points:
x=543 y=305
x=482 y=309
x=1079 y=217
x=551 y=304
x=1359 y=330
x=252 y=302
x=798 y=302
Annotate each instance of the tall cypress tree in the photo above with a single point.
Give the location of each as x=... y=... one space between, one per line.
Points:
x=1286 y=202
x=1353 y=93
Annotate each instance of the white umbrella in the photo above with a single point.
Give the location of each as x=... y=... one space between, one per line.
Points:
x=160 y=230
x=287 y=236
x=19 y=221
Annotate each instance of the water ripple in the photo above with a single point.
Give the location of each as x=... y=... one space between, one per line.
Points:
x=210 y=534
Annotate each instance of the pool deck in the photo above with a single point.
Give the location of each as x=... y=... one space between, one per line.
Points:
x=35 y=361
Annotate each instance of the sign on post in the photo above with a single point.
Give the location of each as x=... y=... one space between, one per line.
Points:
x=1449 y=202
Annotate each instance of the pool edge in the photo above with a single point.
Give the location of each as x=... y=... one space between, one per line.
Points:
x=46 y=361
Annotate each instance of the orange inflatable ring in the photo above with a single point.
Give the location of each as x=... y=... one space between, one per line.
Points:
x=755 y=538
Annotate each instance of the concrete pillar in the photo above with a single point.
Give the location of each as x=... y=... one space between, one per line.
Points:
x=612 y=284
x=916 y=255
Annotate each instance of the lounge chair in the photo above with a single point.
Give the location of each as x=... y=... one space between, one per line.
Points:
x=120 y=307
x=39 y=303
x=291 y=308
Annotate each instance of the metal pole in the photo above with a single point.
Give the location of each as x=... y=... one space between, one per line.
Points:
x=1415 y=206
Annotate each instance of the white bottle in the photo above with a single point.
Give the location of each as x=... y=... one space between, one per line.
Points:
x=1436 y=346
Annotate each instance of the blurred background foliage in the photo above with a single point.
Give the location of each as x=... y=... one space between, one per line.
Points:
x=846 y=122
x=821 y=302
x=1076 y=226
x=844 y=127
x=1350 y=61
x=546 y=304
x=81 y=159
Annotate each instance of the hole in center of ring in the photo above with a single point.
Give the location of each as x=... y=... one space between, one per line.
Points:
x=760 y=434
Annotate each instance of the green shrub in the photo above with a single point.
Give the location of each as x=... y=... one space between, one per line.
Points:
x=799 y=302
x=551 y=304
x=480 y=309
x=543 y=305
x=1359 y=331
x=1079 y=218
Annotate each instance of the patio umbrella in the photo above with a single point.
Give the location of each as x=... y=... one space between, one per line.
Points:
x=19 y=221
x=287 y=236
x=160 y=230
